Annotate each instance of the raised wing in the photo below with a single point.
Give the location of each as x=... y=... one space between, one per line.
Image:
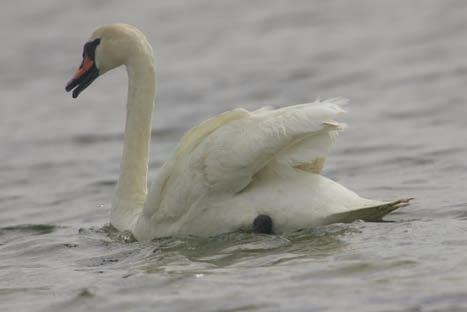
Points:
x=196 y=135
x=297 y=135
x=224 y=153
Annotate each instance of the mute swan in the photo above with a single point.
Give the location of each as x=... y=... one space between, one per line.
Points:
x=241 y=170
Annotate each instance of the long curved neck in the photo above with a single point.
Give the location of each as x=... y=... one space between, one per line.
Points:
x=132 y=183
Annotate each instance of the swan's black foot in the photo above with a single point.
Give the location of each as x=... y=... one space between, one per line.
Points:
x=262 y=224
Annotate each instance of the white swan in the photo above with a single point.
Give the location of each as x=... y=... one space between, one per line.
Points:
x=240 y=170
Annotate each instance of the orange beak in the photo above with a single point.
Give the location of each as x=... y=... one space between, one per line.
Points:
x=86 y=65
x=83 y=77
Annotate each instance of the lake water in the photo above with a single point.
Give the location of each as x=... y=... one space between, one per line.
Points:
x=402 y=64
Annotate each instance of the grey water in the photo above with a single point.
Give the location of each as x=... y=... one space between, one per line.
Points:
x=402 y=64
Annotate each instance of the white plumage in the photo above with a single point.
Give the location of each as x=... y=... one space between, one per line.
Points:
x=229 y=169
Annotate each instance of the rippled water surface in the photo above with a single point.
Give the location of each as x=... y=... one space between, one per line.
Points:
x=403 y=65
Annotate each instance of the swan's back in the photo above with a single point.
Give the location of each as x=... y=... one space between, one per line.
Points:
x=240 y=164
x=226 y=151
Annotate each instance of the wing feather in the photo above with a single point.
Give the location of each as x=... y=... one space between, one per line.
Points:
x=299 y=136
x=224 y=153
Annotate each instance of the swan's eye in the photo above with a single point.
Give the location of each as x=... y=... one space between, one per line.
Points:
x=89 y=48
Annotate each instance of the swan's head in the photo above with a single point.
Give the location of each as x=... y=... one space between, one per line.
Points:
x=108 y=47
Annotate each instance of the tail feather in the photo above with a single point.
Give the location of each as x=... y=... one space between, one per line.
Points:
x=369 y=214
